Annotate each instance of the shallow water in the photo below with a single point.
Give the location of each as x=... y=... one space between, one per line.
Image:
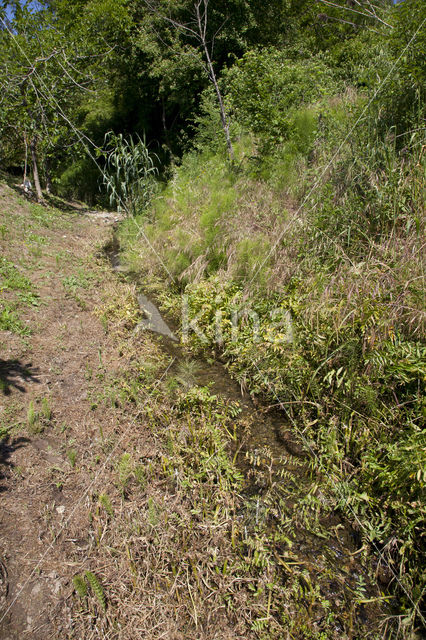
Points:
x=336 y=558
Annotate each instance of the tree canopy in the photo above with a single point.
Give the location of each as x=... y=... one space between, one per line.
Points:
x=72 y=71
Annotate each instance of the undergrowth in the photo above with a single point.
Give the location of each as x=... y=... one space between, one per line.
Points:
x=338 y=248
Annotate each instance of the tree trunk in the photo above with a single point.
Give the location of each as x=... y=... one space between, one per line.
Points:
x=26 y=159
x=202 y=31
x=48 y=176
x=35 y=169
x=166 y=133
x=201 y=36
x=223 y=116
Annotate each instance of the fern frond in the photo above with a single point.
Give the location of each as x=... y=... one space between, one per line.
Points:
x=124 y=469
x=96 y=588
x=106 y=503
x=80 y=586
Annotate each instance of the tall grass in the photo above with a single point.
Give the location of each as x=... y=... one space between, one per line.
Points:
x=129 y=173
x=346 y=260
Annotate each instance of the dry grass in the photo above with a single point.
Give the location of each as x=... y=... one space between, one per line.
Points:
x=176 y=549
x=351 y=289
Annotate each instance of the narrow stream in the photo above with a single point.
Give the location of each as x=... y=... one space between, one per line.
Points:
x=333 y=560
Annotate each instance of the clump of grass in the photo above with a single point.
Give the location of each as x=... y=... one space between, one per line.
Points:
x=140 y=475
x=43 y=216
x=72 y=457
x=4 y=231
x=20 y=290
x=46 y=410
x=119 y=309
x=186 y=374
x=11 y=277
x=30 y=298
x=105 y=502
x=124 y=470
x=252 y=261
x=34 y=422
x=79 y=280
x=38 y=420
x=10 y=321
x=73 y=284
x=32 y=415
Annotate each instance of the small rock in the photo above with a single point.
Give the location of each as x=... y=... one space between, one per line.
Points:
x=60 y=509
x=288 y=439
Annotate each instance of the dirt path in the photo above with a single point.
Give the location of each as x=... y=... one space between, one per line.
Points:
x=123 y=513
x=48 y=421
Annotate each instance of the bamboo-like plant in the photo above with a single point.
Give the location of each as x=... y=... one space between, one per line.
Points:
x=129 y=175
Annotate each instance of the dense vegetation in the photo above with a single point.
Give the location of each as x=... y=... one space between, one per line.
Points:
x=316 y=207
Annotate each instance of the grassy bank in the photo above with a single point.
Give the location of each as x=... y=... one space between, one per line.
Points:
x=135 y=503
x=338 y=247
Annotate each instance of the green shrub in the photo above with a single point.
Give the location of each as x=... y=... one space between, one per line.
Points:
x=265 y=87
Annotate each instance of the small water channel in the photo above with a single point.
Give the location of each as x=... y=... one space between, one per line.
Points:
x=333 y=559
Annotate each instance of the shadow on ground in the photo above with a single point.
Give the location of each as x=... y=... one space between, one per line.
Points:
x=7 y=447
x=14 y=375
x=48 y=199
x=63 y=205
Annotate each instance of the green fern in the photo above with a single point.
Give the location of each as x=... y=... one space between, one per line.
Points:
x=96 y=588
x=80 y=586
x=399 y=361
x=124 y=469
x=31 y=415
x=106 y=503
x=45 y=409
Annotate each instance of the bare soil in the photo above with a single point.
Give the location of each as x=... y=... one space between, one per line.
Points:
x=44 y=503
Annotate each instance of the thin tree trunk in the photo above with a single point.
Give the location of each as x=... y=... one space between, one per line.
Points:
x=26 y=160
x=166 y=132
x=200 y=34
x=223 y=116
x=202 y=29
x=37 y=186
x=48 y=176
